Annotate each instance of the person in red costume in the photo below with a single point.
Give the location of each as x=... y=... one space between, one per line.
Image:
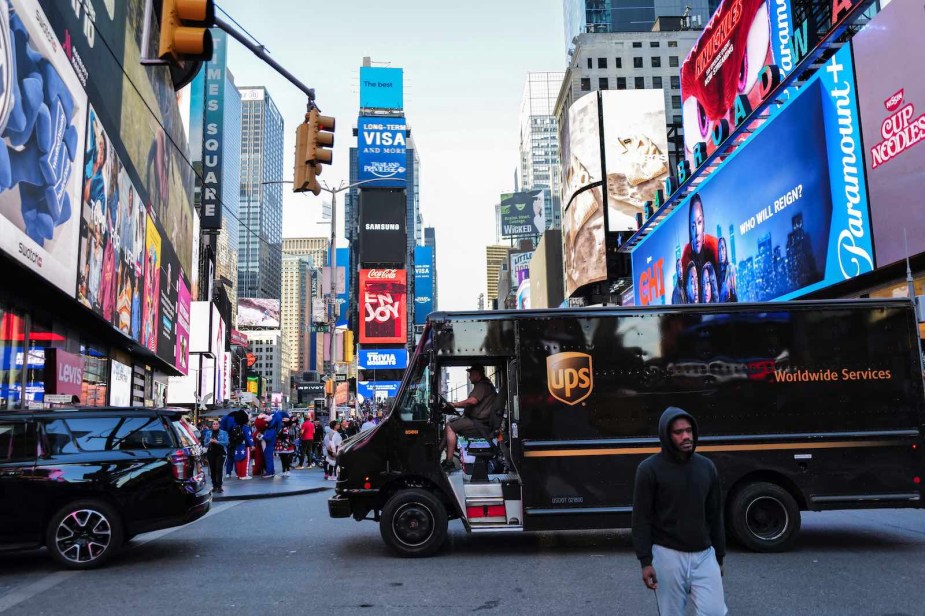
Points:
x=702 y=247
x=260 y=425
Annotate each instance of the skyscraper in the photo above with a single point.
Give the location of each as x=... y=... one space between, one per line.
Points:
x=430 y=239
x=314 y=247
x=296 y=309
x=495 y=258
x=261 y=196
x=539 y=140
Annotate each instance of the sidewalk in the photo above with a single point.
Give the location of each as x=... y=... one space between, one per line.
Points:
x=306 y=481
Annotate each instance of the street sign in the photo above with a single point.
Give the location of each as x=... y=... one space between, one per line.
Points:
x=321 y=328
x=340 y=378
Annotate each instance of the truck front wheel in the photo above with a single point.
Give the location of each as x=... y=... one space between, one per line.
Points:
x=765 y=517
x=413 y=523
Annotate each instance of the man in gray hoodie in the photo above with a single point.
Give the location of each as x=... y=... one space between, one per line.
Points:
x=678 y=521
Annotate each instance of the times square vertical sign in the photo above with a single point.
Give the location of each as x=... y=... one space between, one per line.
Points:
x=210 y=213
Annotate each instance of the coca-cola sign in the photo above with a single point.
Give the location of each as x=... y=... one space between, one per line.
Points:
x=383 y=306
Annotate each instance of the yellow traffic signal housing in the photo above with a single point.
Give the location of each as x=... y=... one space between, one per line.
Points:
x=321 y=137
x=348 y=346
x=185 y=30
x=329 y=387
x=311 y=137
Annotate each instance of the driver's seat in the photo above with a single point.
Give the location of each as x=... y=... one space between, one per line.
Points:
x=486 y=449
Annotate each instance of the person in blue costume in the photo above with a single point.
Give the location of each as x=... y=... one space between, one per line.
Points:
x=228 y=423
x=269 y=439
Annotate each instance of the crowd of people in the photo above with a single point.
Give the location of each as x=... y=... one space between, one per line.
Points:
x=245 y=446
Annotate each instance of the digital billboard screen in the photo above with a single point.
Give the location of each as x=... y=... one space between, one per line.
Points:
x=523 y=213
x=383 y=306
x=583 y=237
x=786 y=214
x=635 y=152
x=381 y=87
x=382 y=153
x=382 y=359
x=582 y=160
x=383 y=238
x=892 y=103
x=741 y=38
x=377 y=390
x=423 y=283
x=258 y=312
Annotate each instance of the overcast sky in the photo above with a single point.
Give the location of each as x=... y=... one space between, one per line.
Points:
x=465 y=66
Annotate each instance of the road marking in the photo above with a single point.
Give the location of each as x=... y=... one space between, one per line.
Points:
x=19 y=595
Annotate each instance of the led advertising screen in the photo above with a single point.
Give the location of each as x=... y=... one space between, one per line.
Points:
x=520 y=266
x=383 y=359
x=43 y=111
x=377 y=390
x=382 y=153
x=383 y=238
x=381 y=87
x=892 y=103
x=741 y=38
x=383 y=306
x=801 y=225
x=258 y=312
x=635 y=152
x=423 y=283
x=583 y=162
x=523 y=214
x=583 y=237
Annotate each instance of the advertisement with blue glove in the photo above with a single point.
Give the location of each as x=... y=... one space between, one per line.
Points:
x=43 y=110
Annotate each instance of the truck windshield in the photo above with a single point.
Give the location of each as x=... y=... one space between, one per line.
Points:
x=413 y=403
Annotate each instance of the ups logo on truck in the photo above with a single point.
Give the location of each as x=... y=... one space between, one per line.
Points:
x=569 y=377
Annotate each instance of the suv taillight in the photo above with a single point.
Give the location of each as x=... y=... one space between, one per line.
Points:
x=181 y=465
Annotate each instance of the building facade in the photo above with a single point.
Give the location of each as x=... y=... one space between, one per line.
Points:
x=295 y=310
x=314 y=247
x=261 y=196
x=496 y=258
x=539 y=140
x=272 y=353
x=430 y=239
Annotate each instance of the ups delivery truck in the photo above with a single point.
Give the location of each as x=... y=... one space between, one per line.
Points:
x=802 y=406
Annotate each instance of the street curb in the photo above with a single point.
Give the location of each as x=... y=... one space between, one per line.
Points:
x=227 y=497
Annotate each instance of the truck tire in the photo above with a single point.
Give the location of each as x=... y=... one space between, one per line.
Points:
x=413 y=523
x=84 y=534
x=764 y=517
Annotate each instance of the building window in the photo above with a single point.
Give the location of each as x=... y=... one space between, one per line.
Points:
x=676 y=101
x=639 y=83
x=602 y=63
x=590 y=63
x=585 y=84
x=675 y=82
x=637 y=44
x=673 y=61
x=672 y=43
x=618 y=62
x=656 y=62
x=656 y=82
x=602 y=84
x=621 y=83
x=676 y=119
x=654 y=43
x=637 y=62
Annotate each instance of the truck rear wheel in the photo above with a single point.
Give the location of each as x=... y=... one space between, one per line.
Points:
x=413 y=523
x=765 y=517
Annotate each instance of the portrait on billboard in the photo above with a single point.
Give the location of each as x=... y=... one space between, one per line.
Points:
x=383 y=305
x=802 y=227
x=741 y=38
x=892 y=106
x=523 y=214
x=635 y=152
x=583 y=166
x=152 y=287
x=583 y=236
x=43 y=111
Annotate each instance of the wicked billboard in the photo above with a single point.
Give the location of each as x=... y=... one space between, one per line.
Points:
x=801 y=225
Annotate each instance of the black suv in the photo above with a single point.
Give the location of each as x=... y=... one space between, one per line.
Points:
x=83 y=481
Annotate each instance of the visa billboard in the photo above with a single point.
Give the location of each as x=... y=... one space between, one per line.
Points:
x=382 y=153
x=381 y=88
x=786 y=214
x=423 y=283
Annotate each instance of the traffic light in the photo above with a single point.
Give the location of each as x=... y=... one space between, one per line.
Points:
x=185 y=32
x=329 y=387
x=313 y=139
x=348 y=346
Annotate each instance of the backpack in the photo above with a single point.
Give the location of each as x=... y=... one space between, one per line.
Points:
x=236 y=435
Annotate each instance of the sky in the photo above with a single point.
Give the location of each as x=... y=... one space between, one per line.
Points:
x=465 y=65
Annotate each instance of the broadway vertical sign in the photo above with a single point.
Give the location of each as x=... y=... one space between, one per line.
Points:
x=210 y=212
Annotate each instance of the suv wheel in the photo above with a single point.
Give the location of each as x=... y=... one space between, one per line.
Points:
x=414 y=523
x=84 y=534
x=765 y=517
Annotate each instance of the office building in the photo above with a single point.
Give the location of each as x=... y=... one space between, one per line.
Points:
x=430 y=239
x=296 y=309
x=539 y=140
x=496 y=259
x=272 y=353
x=261 y=196
x=602 y=16
x=314 y=247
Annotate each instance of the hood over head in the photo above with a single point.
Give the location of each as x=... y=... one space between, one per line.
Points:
x=670 y=414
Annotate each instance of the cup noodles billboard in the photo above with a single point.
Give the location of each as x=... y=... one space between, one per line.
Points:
x=383 y=306
x=891 y=98
x=742 y=37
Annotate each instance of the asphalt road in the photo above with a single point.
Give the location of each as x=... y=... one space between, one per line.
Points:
x=285 y=554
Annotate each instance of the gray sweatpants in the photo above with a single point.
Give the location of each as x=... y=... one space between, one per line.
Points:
x=681 y=574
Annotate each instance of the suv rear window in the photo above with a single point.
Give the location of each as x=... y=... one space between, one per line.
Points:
x=17 y=441
x=185 y=431
x=119 y=433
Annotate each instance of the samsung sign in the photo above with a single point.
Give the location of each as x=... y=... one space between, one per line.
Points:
x=381 y=152
x=381 y=88
x=379 y=359
x=210 y=212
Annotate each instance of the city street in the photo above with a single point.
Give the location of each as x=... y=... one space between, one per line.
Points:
x=284 y=554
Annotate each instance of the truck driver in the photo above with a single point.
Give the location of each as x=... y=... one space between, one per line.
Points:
x=477 y=410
